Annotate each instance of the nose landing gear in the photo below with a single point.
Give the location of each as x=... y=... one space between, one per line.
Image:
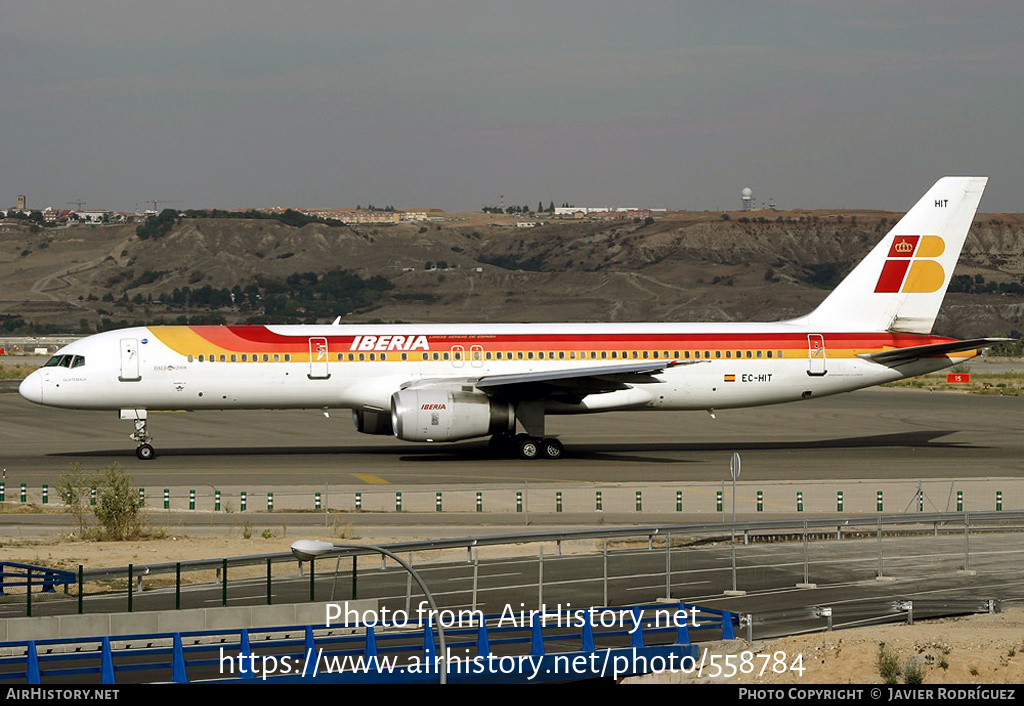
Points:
x=145 y=450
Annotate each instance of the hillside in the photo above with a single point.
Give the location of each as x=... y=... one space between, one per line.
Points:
x=682 y=266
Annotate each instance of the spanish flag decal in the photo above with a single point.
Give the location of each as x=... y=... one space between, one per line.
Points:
x=730 y=378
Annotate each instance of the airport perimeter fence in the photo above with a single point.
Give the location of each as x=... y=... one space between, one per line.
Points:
x=582 y=567
x=751 y=497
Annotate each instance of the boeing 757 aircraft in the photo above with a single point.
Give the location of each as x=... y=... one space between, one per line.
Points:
x=455 y=382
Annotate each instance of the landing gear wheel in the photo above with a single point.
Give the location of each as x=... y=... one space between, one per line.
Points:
x=528 y=448
x=552 y=448
x=145 y=452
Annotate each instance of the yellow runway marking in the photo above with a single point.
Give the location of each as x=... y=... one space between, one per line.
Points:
x=371 y=479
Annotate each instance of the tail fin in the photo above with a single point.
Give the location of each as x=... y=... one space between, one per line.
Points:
x=899 y=286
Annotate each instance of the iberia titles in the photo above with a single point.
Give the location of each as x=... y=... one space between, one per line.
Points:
x=390 y=343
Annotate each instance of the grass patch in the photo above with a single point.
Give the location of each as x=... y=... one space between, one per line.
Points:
x=1007 y=384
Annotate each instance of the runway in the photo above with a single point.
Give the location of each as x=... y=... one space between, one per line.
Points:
x=872 y=434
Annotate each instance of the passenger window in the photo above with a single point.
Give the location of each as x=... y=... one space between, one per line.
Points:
x=405 y=356
x=277 y=357
x=245 y=358
x=234 y=358
x=201 y=358
x=266 y=357
x=519 y=355
x=287 y=357
x=728 y=354
x=223 y=358
x=445 y=356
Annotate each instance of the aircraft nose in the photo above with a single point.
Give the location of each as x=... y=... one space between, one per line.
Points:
x=31 y=388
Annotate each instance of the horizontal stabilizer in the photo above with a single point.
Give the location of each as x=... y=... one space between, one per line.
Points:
x=896 y=356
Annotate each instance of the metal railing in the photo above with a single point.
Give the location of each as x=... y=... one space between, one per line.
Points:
x=545 y=645
x=168 y=586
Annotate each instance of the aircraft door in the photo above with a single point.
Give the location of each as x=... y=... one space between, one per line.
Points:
x=816 y=355
x=476 y=356
x=319 y=355
x=129 y=361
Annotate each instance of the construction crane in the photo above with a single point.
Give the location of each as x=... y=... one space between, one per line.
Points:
x=159 y=201
x=77 y=203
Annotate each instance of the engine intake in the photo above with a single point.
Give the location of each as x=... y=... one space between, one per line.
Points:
x=448 y=415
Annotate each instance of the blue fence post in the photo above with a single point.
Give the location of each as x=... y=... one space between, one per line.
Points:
x=32 y=664
x=588 y=633
x=3 y=576
x=728 y=633
x=483 y=645
x=429 y=648
x=683 y=631
x=107 y=664
x=536 y=638
x=310 y=642
x=244 y=653
x=178 y=673
x=638 y=632
x=370 y=650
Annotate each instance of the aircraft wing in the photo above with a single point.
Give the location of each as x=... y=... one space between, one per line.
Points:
x=898 y=356
x=564 y=384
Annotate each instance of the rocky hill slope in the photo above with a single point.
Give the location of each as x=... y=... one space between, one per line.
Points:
x=680 y=267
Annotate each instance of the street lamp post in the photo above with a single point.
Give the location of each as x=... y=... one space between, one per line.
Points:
x=310 y=549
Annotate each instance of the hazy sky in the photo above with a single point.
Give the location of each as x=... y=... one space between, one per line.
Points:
x=449 y=104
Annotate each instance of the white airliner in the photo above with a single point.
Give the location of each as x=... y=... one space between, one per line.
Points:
x=455 y=382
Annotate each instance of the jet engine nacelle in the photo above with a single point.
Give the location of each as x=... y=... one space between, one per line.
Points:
x=448 y=415
x=372 y=421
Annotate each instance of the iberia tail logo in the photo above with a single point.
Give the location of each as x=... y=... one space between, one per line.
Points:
x=910 y=266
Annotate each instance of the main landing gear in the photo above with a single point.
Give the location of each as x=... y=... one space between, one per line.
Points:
x=525 y=446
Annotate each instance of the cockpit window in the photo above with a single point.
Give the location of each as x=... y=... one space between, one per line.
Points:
x=65 y=361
